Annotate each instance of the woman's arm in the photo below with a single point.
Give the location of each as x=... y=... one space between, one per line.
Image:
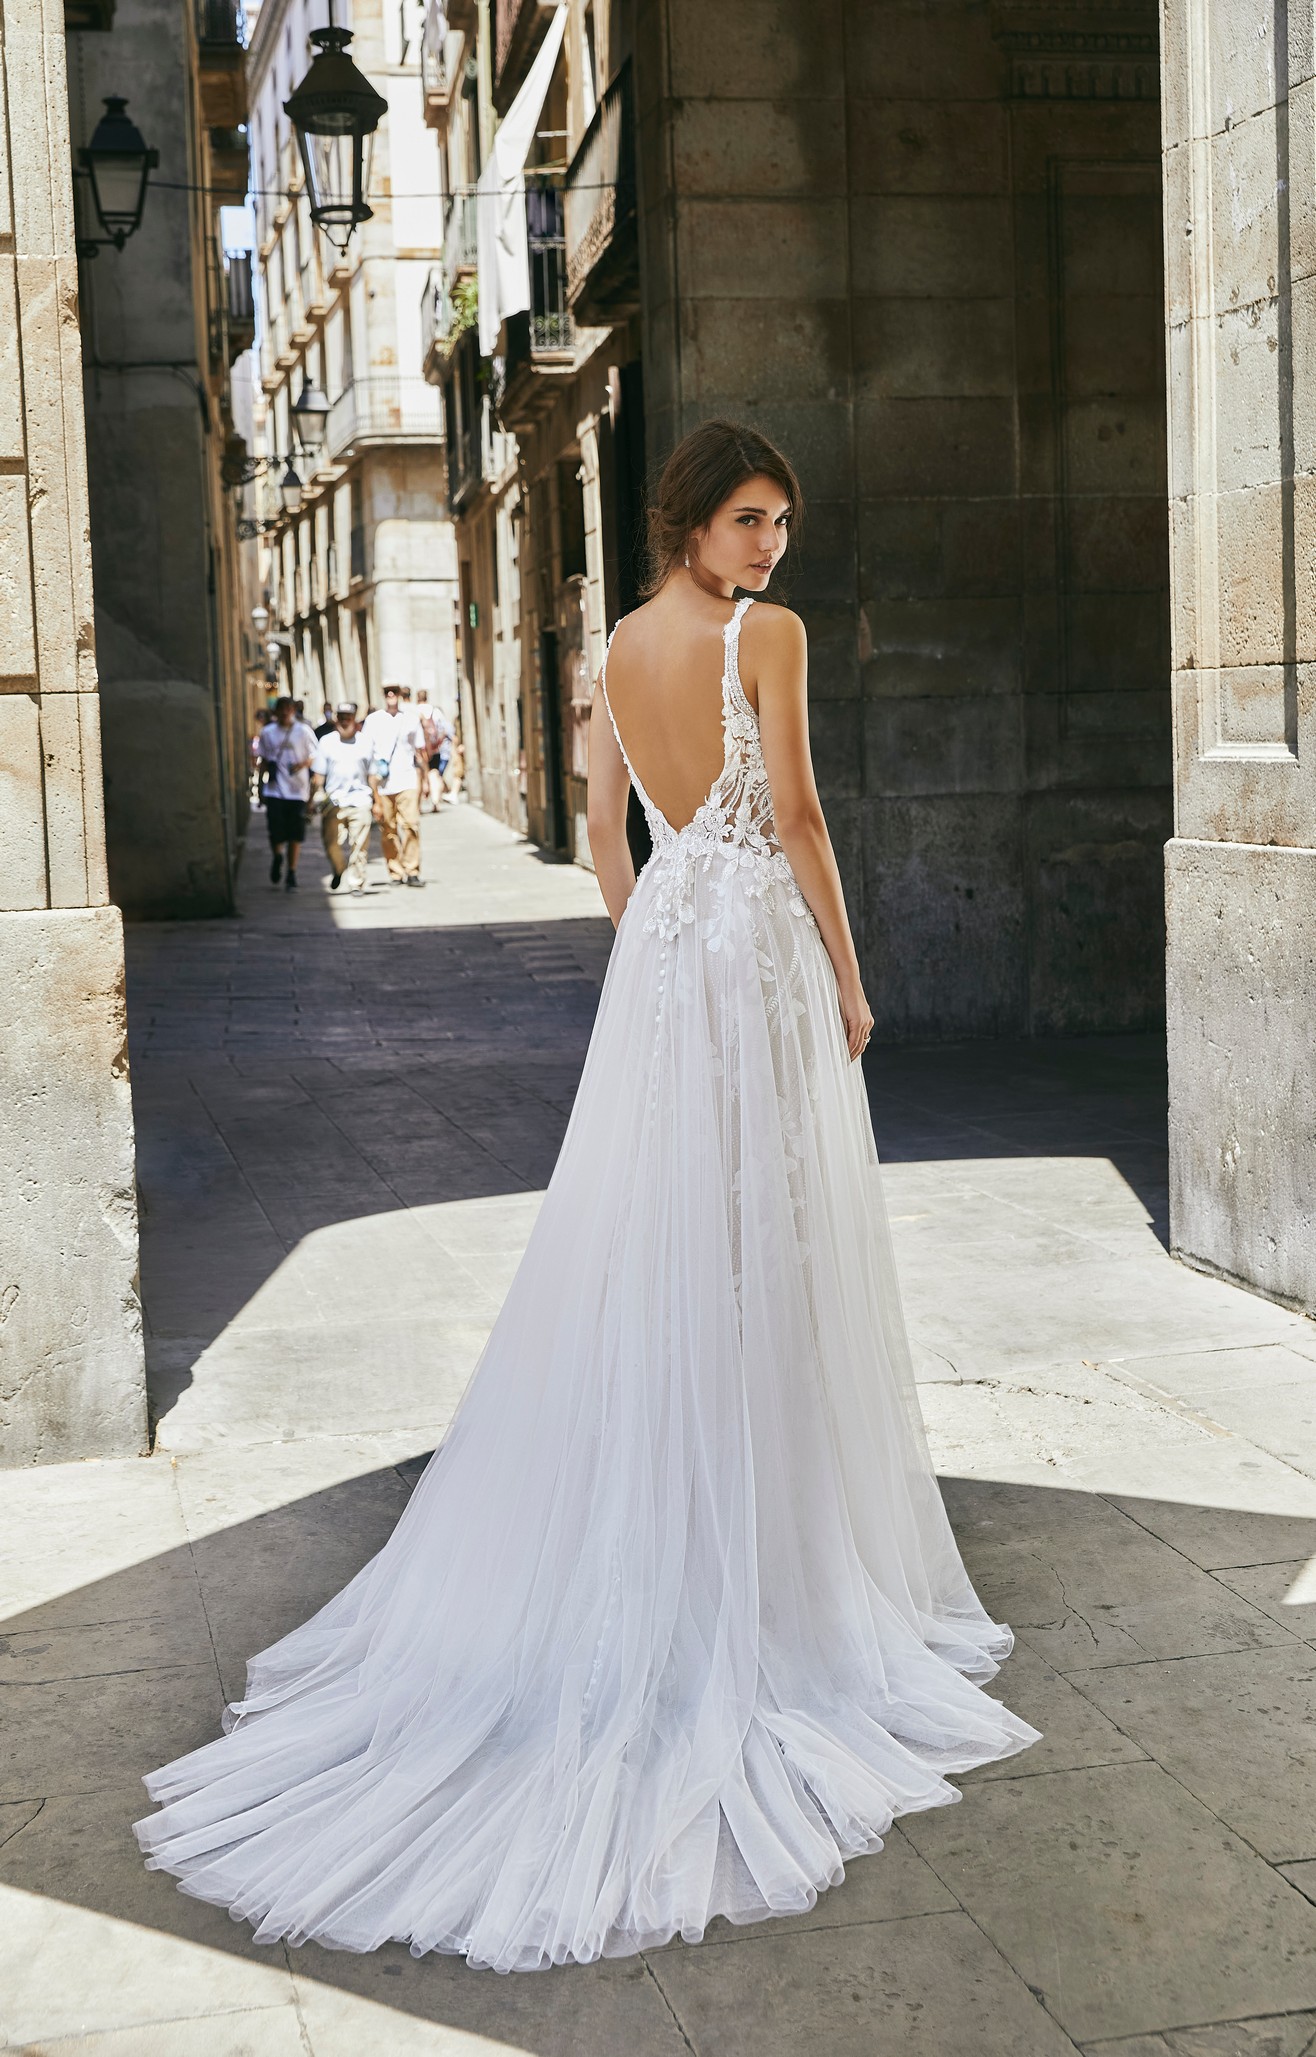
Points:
x=781 y=660
x=609 y=790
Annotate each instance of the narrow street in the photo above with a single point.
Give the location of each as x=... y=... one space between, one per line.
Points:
x=346 y=1114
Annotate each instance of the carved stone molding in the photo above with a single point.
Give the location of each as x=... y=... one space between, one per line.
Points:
x=1078 y=52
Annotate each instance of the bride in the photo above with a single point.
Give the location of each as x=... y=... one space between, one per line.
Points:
x=674 y=1623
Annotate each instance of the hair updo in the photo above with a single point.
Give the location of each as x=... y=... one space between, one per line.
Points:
x=701 y=474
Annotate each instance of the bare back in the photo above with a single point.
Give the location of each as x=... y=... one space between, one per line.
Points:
x=665 y=689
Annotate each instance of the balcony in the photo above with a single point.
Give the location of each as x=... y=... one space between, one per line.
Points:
x=459 y=243
x=465 y=404
x=435 y=79
x=444 y=318
x=241 y=306
x=220 y=33
x=541 y=345
x=602 y=244
x=383 y=410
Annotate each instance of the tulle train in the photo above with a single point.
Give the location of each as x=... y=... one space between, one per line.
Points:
x=674 y=1623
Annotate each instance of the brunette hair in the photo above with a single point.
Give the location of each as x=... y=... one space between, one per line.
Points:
x=701 y=474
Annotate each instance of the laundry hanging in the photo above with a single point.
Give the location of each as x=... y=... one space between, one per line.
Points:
x=502 y=250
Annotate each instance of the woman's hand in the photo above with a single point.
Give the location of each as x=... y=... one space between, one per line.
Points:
x=857 y=1016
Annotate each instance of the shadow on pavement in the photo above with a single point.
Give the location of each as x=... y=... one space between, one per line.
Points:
x=1120 y=1869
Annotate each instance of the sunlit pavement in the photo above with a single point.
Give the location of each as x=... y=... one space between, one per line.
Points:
x=346 y=1115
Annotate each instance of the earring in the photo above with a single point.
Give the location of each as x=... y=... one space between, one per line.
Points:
x=687 y=560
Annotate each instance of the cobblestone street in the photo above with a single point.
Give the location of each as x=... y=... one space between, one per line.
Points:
x=346 y=1114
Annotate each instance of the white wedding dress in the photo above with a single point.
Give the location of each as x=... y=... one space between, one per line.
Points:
x=674 y=1623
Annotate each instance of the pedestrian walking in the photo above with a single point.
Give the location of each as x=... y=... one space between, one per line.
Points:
x=328 y=725
x=454 y=771
x=341 y=774
x=438 y=748
x=397 y=747
x=287 y=746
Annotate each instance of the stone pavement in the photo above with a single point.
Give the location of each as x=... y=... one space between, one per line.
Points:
x=346 y=1114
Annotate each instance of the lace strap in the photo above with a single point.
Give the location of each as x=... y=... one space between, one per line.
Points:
x=733 y=692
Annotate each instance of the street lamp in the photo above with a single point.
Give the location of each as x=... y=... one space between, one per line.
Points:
x=309 y=415
x=290 y=491
x=335 y=112
x=260 y=621
x=118 y=164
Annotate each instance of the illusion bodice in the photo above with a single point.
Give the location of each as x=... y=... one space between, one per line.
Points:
x=733 y=823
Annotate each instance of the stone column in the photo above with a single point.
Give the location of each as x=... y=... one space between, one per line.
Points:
x=1240 y=214
x=72 y=1381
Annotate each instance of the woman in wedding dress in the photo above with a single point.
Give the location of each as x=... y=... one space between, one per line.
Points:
x=674 y=1623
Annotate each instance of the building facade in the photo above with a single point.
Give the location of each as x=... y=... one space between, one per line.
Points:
x=358 y=569
x=162 y=319
x=546 y=437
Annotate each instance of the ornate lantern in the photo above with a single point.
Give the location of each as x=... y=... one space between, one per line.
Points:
x=335 y=112
x=118 y=165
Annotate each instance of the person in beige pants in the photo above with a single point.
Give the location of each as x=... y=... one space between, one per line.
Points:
x=396 y=742
x=341 y=776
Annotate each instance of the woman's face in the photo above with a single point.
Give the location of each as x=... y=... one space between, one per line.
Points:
x=746 y=538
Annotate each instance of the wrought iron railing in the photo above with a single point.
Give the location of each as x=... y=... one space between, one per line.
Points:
x=600 y=184
x=459 y=239
x=221 y=21
x=551 y=323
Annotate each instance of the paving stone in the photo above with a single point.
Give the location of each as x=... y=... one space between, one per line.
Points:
x=1272 y=1517
x=263 y=2032
x=1074 y=1731
x=1284 y=1591
x=1103 y=1591
x=1236 y=1730
x=605 y=2008
x=93 y=1942
x=1282 y=2035
x=924 y=1987
x=79 y=1735
x=1123 y=1901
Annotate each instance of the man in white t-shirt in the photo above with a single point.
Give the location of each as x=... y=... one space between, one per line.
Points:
x=341 y=771
x=287 y=746
x=396 y=742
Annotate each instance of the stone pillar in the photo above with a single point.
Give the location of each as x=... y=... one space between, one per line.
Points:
x=1240 y=213
x=72 y=1381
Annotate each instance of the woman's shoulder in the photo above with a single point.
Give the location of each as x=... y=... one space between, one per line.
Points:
x=773 y=629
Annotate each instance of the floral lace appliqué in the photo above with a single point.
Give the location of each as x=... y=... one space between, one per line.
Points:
x=732 y=836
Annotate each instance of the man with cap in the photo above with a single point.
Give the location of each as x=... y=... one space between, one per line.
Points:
x=341 y=774
x=397 y=747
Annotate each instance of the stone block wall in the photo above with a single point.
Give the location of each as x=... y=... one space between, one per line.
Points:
x=1240 y=214
x=72 y=1380
x=921 y=246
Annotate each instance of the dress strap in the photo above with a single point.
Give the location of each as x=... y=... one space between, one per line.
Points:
x=733 y=692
